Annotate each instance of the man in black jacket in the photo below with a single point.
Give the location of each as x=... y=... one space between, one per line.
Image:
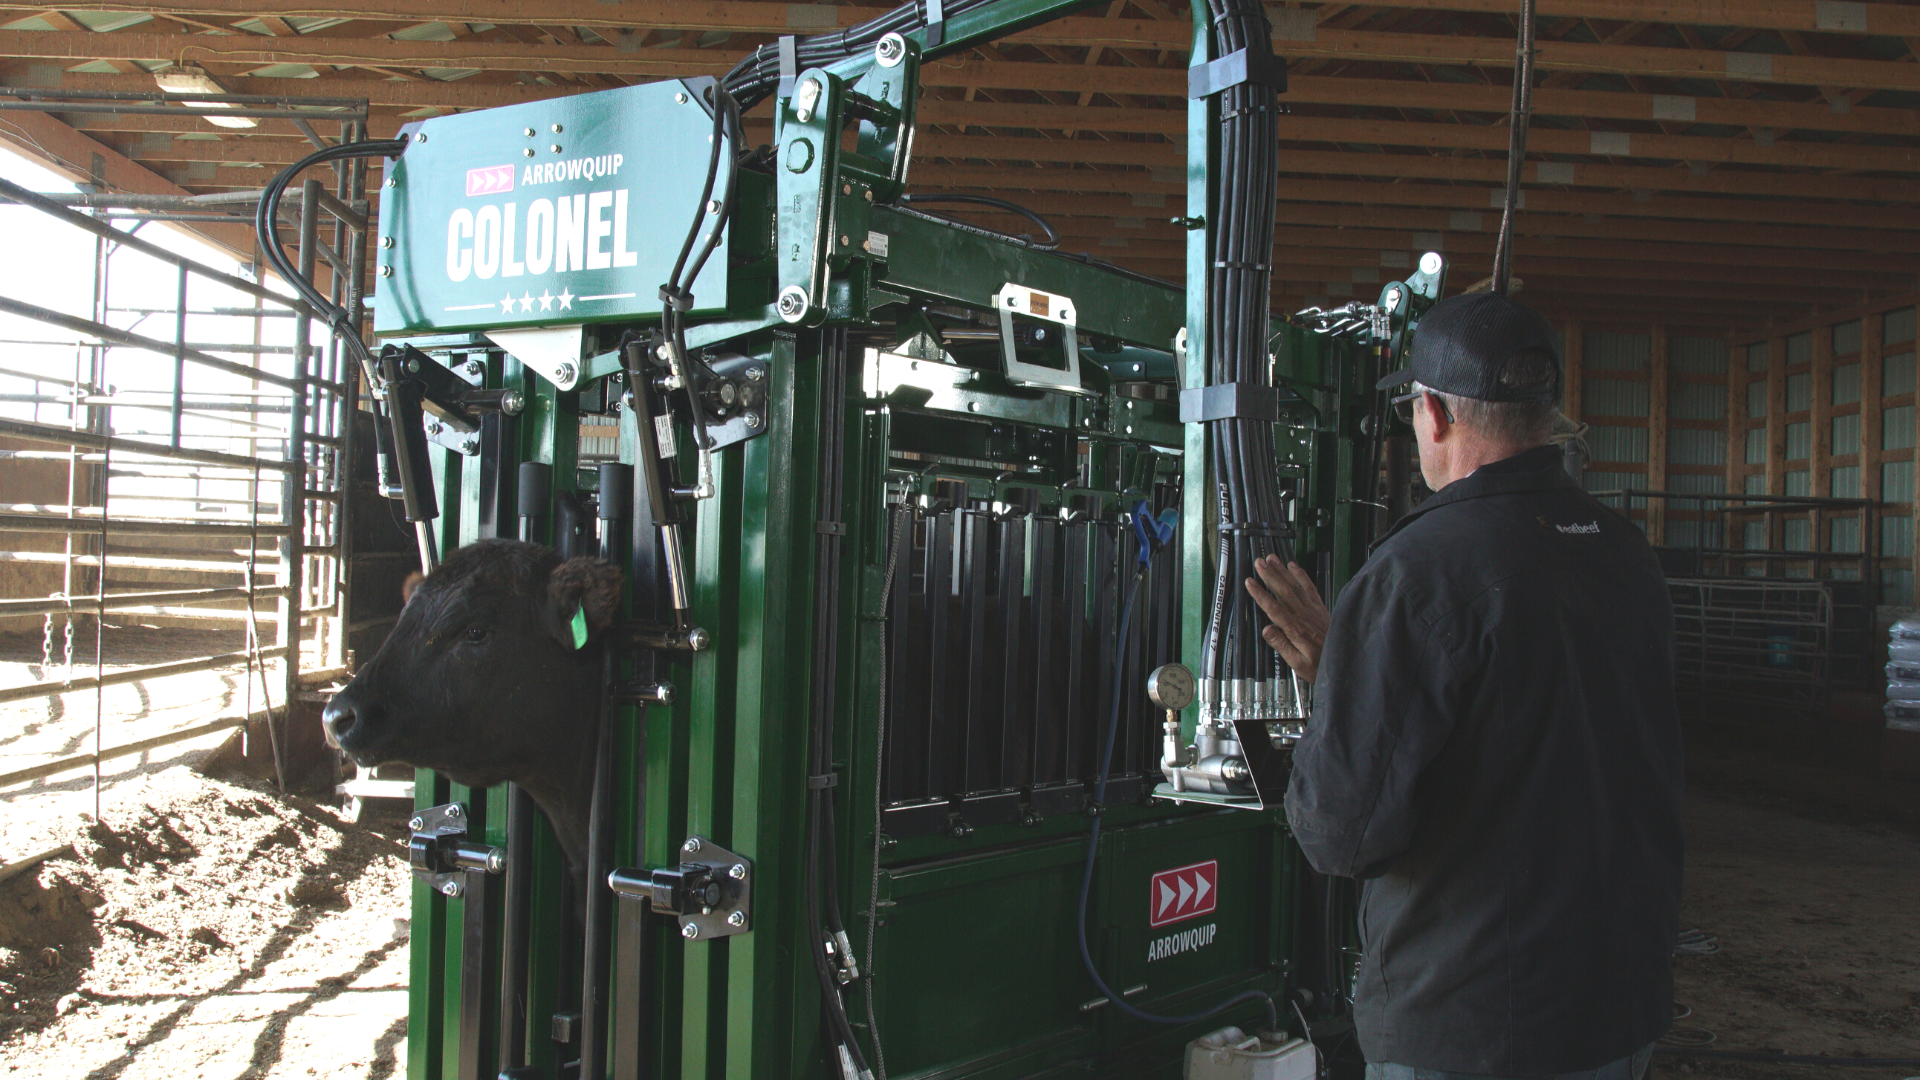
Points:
x=1494 y=748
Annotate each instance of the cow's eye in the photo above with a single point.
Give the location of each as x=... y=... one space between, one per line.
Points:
x=475 y=636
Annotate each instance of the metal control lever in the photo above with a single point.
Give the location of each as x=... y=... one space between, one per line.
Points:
x=711 y=892
x=440 y=853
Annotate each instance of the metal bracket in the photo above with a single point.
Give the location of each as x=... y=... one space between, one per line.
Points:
x=744 y=414
x=439 y=854
x=1029 y=303
x=711 y=892
x=553 y=351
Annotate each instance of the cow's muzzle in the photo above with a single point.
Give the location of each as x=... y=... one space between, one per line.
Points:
x=350 y=725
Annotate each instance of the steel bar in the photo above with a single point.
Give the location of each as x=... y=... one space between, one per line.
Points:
x=208 y=346
x=130 y=601
x=110 y=336
x=46 y=433
x=60 y=523
x=220 y=312
x=101 y=229
x=116 y=678
x=81 y=761
x=344 y=108
x=196 y=566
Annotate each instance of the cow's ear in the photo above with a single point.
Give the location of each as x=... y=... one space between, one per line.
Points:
x=583 y=598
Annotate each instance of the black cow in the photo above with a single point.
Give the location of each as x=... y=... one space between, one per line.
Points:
x=481 y=679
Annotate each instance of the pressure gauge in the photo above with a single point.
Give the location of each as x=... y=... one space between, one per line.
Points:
x=1171 y=687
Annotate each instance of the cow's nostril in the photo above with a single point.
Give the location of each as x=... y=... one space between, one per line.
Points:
x=339 y=720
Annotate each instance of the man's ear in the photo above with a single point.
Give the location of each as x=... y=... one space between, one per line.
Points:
x=583 y=599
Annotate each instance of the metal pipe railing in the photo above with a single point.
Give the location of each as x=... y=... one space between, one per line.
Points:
x=151 y=671
x=134 y=526
x=109 y=336
x=46 y=433
x=81 y=761
x=134 y=600
x=123 y=238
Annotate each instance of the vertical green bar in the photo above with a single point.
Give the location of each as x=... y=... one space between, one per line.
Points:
x=772 y=716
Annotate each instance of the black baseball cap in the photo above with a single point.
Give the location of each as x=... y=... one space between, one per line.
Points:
x=1464 y=341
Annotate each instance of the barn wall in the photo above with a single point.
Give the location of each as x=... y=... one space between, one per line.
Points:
x=1655 y=398
x=1839 y=421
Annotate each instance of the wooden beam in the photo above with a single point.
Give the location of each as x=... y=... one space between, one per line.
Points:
x=1170 y=83
x=1146 y=198
x=1090 y=218
x=1374 y=241
x=778 y=18
x=257 y=51
x=1350 y=130
x=1446 y=49
x=1426 y=166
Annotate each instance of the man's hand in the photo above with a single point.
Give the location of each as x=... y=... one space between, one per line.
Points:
x=1299 y=616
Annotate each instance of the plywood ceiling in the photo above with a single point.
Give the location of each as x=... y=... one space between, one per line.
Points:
x=1718 y=162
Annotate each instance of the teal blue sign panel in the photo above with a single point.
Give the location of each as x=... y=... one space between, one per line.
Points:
x=570 y=210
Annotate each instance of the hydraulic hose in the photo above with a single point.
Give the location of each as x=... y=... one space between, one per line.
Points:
x=1252 y=524
x=758 y=75
x=1093 y=847
x=266 y=215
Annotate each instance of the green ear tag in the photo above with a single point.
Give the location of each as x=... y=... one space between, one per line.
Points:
x=580 y=628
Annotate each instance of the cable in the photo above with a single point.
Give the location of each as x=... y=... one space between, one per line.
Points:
x=900 y=514
x=758 y=74
x=1053 y=238
x=1516 y=146
x=1093 y=847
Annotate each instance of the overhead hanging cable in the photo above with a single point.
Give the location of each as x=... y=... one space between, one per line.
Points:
x=1521 y=116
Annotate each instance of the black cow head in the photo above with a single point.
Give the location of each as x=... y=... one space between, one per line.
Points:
x=492 y=674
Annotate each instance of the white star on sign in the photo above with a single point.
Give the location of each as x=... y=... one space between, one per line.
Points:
x=546 y=300
x=526 y=302
x=506 y=306
x=566 y=299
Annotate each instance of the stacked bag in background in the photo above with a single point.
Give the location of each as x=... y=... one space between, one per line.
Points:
x=1903 y=696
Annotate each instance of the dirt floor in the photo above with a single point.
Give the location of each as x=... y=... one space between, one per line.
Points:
x=208 y=928
x=212 y=929
x=1803 y=859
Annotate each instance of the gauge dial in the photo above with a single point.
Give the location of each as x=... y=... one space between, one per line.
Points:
x=1171 y=686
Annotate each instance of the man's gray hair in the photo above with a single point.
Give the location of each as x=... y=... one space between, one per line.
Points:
x=1515 y=423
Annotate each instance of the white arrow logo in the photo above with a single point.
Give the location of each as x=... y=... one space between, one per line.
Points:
x=1166 y=897
x=1186 y=891
x=1200 y=885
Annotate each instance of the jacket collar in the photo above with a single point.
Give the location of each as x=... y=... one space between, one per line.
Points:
x=1537 y=469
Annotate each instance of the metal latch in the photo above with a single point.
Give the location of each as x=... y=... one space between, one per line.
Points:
x=440 y=854
x=711 y=892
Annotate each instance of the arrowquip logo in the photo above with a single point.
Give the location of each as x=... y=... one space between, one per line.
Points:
x=1184 y=941
x=1183 y=893
x=1592 y=528
x=491 y=180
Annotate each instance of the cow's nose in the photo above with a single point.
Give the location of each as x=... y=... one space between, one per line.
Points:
x=339 y=720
